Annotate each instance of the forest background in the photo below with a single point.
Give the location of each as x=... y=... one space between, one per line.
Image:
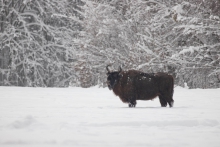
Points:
x=54 y=43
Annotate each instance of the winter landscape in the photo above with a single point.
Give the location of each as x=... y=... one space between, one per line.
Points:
x=54 y=56
x=45 y=117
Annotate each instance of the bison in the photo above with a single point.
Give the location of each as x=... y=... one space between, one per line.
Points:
x=135 y=85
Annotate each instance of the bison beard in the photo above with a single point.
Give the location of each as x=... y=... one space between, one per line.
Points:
x=135 y=85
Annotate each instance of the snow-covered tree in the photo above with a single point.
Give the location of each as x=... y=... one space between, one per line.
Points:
x=38 y=38
x=180 y=37
x=197 y=40
x=54 y=43
x=124 y=33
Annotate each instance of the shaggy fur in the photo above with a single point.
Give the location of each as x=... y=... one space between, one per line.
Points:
x=135 y=85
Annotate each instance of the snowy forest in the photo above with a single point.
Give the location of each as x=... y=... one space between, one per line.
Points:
x=61 y=43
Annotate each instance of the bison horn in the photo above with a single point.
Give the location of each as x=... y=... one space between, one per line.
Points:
x=108 y=68
x=119 y=69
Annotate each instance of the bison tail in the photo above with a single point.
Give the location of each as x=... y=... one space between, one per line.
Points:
x=172 y=86
x=171 y=92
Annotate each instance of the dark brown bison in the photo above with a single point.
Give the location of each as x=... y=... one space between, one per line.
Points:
x=135 y=85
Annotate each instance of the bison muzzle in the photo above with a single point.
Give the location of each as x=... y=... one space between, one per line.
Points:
x=135 y=85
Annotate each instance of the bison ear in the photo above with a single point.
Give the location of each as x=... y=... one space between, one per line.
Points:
x=119 y=69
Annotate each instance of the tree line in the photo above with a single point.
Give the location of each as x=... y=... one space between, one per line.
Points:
x=52 y=43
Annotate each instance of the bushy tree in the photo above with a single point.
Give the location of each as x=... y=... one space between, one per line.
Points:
x=37 y=36
x=197 y=40
x=54 y=43
x=119 y=32
x=179 y=37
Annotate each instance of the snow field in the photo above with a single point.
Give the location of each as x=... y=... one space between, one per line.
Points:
x=96 y=117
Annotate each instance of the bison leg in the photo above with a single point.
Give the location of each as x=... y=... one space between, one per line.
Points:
x=171 y=103
x=132 y=102
x=131 y=105
x=163 y=102
x=167 y=99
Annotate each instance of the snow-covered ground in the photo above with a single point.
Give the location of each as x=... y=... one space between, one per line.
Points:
x=94 y=117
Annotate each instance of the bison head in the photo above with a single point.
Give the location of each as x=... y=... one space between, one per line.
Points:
x=113 y=77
